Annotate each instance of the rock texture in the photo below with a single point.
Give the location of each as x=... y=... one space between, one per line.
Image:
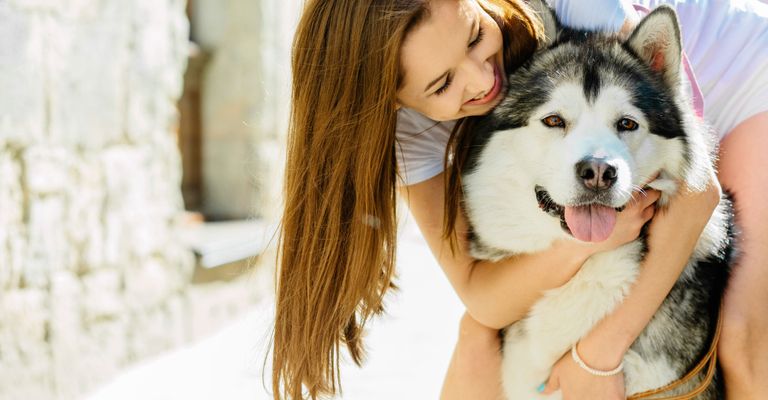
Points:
x=91 y=275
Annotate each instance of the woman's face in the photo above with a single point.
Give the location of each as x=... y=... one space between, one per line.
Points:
x=453 y=62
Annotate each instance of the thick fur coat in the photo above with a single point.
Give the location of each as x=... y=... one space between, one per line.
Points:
x=588 y=120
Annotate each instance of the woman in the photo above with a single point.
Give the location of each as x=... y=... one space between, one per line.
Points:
x=364 y=70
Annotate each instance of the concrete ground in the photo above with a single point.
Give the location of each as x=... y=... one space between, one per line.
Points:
x=409 y=348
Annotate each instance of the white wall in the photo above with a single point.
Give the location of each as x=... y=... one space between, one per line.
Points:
x=91 y=276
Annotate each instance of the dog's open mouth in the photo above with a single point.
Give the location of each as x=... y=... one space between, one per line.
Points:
x=591 y=222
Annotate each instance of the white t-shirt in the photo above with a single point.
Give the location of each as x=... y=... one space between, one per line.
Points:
x=726 y=42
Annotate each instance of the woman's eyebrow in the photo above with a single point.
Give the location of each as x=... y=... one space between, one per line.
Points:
x=475 y=27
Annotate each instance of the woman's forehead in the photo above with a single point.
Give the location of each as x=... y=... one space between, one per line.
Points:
x=434 y=45
x=446 y=16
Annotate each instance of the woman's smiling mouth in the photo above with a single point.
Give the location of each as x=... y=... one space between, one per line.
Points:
x=492 y=94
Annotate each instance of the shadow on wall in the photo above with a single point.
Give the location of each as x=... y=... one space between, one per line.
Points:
x=235 y=110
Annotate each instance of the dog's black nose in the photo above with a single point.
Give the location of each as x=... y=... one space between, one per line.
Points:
x=596 y=173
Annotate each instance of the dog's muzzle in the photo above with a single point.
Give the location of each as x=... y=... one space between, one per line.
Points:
x=589 y=222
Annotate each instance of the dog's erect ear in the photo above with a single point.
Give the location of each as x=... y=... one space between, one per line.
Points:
x=548 y=19
x=657 y=41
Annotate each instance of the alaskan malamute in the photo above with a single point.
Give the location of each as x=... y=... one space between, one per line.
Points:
x=587 y=121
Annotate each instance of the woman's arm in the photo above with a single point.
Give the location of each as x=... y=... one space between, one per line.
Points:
x=743 y=347
x=672 y=237
x=497 y=294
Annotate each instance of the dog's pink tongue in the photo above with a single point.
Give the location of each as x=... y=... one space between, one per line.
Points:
x=590 y=223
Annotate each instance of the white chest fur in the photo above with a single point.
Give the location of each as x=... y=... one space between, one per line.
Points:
x=562 y=316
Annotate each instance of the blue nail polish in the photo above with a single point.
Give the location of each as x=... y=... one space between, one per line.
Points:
x=541 y=387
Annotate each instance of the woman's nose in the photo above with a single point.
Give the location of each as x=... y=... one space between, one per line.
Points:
x=480 y=77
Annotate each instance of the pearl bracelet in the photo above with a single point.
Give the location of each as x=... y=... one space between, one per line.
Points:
x=596 y=372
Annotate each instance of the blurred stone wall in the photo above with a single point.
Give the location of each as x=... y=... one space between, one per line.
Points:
x=245 y=98
x=91 y=277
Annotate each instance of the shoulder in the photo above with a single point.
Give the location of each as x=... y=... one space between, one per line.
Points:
x=414 y=129
x=580 y=14
x=410 y=121
x=420 y=145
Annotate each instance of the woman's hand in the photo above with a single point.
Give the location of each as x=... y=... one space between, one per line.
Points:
x=578 y=384
x=685 y=217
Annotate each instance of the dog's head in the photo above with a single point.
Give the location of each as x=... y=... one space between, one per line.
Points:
x=586 y=122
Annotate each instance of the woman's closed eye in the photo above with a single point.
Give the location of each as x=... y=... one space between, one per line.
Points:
x=479 y=38
x=449 y=77
x=442 y=89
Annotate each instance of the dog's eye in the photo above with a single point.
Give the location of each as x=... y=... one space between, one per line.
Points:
x=553 y=121
x=626 y=124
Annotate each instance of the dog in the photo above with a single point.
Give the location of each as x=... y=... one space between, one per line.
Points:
x=590 y=118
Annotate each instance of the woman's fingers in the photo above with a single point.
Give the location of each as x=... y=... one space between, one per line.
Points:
x=551 y=386
x=647 y=197
x=641 y=200
x=648 y=213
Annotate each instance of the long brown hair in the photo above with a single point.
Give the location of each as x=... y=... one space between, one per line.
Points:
x=336 y=252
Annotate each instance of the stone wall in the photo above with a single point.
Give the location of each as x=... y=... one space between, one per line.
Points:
x=245 y=98
x=91 y=275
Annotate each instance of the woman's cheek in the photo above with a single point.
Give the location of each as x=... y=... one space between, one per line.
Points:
x=443 y=109
x=457 y=103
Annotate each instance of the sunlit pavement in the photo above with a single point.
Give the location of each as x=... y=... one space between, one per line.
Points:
x=409 y=348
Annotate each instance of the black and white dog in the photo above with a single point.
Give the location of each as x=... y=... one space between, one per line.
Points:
x=588 y=120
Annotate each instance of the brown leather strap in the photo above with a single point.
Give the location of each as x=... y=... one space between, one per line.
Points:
x=709 y=361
